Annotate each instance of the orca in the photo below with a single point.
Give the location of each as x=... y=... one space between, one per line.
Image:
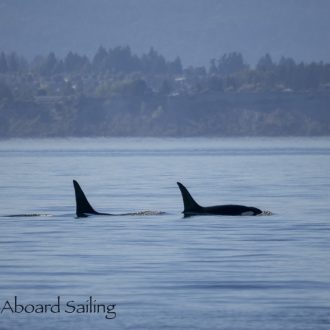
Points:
x=191 y=207
x=84 y=208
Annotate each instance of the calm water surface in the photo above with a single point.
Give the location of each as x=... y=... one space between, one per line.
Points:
x=166 y=272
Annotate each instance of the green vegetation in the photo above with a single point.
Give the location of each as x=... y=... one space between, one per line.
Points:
x=117 y=93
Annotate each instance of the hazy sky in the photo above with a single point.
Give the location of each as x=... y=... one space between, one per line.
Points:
x=196 y=30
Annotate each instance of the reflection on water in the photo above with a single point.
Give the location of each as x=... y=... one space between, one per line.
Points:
x=168 y=272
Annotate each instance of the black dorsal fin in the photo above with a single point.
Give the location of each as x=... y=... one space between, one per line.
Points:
x=188 y=202
x=82 y=205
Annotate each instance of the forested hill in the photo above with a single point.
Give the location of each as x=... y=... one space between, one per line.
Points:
x=118 y=93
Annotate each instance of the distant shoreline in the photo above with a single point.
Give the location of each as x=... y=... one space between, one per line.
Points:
x=233 y=114
x=120 y=94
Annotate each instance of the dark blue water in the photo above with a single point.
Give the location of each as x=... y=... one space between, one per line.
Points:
x=163 y=271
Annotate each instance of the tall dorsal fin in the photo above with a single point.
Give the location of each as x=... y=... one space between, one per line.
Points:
x=82 y=205
x=188 y=202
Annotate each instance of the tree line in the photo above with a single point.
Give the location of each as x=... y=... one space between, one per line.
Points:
x=228 y=72
x=114 y=60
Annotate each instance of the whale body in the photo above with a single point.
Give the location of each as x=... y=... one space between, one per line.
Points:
x=191 y=207
x=85 y=209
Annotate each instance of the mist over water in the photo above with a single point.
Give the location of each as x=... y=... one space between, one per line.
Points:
x=164 y=271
